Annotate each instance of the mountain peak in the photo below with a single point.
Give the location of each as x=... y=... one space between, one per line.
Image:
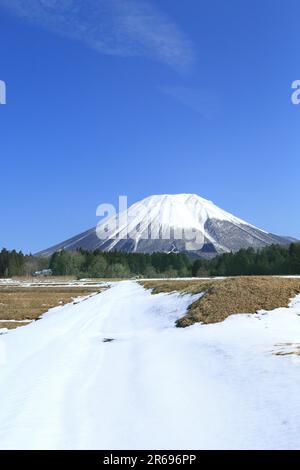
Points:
x=172 y=222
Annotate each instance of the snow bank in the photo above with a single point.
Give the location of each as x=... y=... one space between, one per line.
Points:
x=113 y=373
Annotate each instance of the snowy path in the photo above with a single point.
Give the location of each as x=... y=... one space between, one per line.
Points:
x=153 y=386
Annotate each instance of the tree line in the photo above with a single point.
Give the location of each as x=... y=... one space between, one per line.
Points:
x=271 y=260
x=13 y=263
x=83 y=263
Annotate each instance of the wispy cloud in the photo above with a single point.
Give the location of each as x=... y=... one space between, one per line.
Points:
x=204 y=102
x=112 y=27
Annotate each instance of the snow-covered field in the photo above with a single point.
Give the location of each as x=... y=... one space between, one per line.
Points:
x=50 y=282
x=112 y=372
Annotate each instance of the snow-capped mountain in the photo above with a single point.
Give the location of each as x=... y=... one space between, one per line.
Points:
x=178 y=223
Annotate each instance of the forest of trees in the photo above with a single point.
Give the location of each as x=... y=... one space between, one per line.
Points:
x=274 y=259
x=118 y=264
x=13 y=263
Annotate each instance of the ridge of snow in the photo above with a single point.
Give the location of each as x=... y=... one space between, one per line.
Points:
x=177 y=211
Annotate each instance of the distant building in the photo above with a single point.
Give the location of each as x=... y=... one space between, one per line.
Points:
x=43 y=273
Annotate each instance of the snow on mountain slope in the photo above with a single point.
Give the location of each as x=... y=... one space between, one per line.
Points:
x=113 y=373
x=180 y=222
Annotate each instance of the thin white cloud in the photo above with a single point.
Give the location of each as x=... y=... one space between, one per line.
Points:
x=204 y=102
x=113 y=27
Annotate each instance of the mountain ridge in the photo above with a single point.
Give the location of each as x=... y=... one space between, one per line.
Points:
x=172 y=222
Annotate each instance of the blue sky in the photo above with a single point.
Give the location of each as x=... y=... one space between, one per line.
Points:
x=136 y=98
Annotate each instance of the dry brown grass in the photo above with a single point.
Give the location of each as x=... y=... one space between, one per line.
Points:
x=29 y=303
x=224 y=297
x=287 y=349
